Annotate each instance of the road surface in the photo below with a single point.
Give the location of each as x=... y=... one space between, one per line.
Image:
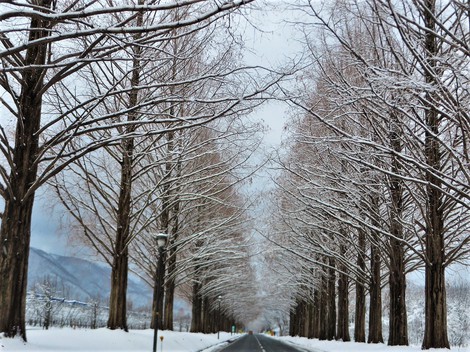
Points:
x=259 y=343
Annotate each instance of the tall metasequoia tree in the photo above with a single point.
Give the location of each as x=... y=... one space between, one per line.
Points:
x=398 y=326
x=36 y=64
x=170 y=213
x=435 y=331
x=118 y=297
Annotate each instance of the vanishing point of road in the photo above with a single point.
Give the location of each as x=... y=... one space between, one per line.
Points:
x=259 y=343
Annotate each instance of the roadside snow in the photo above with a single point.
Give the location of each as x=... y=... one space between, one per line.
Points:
x=75 y=340
x=339 y=346
x=70 y=340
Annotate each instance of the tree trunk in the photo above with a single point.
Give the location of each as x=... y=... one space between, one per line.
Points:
x=375 y=307
x=170 y=294
x=310 y=320
x=295 y=319
x=158 y=292
x=15 y=231
x=398 y=330
x=435 y=331
x=360 y=312
x=291 y=322
x=303 y=318
x=207 y=317
x=331 y=330
x=118 y=299
x=398 y=326
x=342 y=332
x=323 y=308
x=316 y=314
x=171 y=286
x=196 y=316
x=15 y=238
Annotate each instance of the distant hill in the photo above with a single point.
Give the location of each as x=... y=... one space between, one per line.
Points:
x=81 y=279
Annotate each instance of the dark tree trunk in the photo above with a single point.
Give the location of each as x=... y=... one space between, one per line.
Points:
x=360 y=311
x=166 y=318
x=342 y=332
x=303 y=321
x=15 y=238
x=435 y=334
x=171 y=286
x=331 y=330
x=158 y=292
x=375 y=307
x=292 y=323
x=15 y=231
x=398 y=326
x=298 y=317
x=435 y=331
x=170 y=292
x=196 y=318
x=311 y=320
x=323 y=308
x=398 y=331
x=360 y=314
x=316 y=314
x=209 y=317
x=118 y=299
x=295 y=319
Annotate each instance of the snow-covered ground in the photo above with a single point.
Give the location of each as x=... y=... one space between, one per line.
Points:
x=338 y=346
x=67 y=340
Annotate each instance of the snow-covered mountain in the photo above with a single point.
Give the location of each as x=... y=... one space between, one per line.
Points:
x=80 y=279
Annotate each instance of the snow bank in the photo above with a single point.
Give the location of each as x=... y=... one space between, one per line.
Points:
x=339 y=346
x=68 y=339
x=71 y=340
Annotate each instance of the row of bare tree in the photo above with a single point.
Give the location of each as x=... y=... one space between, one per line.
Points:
x=376 y=182
x=132 y=113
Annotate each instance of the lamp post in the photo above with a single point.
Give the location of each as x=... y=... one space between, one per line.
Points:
x=218 y=322
x=161 y=239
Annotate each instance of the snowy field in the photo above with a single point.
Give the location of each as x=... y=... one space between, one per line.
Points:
x=337 y=346
x=68 y=339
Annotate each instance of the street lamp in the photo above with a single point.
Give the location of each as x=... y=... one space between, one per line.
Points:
x=160 y=239
x=218 y=323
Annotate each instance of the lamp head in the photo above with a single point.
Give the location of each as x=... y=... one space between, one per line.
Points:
x=161 y=239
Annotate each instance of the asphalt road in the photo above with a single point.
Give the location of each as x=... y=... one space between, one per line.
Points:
x=259 y=343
